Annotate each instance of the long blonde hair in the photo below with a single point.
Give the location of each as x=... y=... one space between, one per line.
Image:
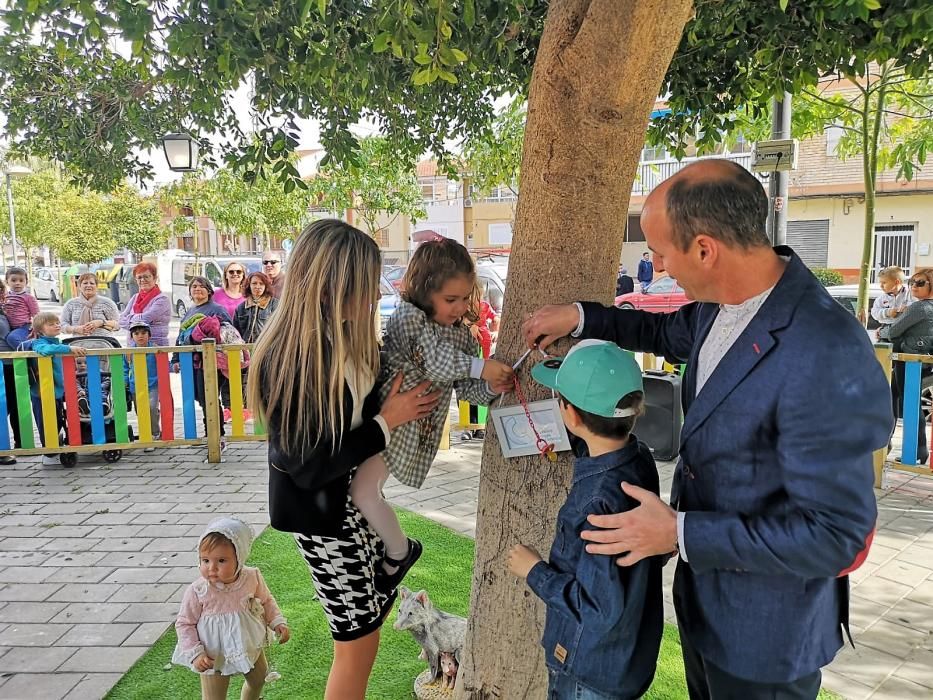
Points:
x=325 y=319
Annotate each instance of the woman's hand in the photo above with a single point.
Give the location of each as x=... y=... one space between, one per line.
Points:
x=402 y=407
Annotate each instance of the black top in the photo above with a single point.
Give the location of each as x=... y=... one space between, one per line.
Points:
x=308 y=491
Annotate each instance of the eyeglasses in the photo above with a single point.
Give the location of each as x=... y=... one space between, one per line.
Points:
x=144 y=278
x=918 y=283
x=234 y=272
x=271 y=262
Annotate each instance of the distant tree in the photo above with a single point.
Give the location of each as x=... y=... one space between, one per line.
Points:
x=375 y=182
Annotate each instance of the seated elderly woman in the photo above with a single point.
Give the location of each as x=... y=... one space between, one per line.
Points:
x=89 y=313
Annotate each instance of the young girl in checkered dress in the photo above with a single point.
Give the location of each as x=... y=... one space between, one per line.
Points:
x=425 y=339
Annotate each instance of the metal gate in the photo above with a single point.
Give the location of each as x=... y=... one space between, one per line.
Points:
x=893 y=246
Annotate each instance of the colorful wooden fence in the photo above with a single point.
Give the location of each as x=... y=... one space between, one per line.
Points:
x=35 y=392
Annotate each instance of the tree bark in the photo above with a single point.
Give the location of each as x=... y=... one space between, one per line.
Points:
x=598 y=71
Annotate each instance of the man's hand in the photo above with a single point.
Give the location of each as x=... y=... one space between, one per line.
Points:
x=645 y=531
x=549 y=324
x=203 y=663
x=522 y=559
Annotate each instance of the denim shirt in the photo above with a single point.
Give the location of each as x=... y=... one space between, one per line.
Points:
x=604 y=622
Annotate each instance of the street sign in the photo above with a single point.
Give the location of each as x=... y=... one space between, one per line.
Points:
x=775 y=155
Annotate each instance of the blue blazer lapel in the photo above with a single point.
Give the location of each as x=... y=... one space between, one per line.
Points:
x=755 y=342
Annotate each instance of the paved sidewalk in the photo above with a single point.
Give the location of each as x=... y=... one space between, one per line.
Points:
x=93 y=562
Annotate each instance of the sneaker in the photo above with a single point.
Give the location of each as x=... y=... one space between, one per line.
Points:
x=149 y=449
x=227 y=415
x=84 y=407
x=247 y=415
x=7 y=459
x=50 y=461
x=386 y=583
x=479 y=434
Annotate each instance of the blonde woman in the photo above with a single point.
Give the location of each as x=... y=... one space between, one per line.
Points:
x=233 y=292
x=312 y=378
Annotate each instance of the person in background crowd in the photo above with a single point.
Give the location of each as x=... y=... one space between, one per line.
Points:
x=201 y=292
x=46 y=326
x=233 y=291
x=912 y=333
x=645 y=271
x=9 y=381
x=252 y=314
x=20 y=306
x=90 y=313
x=624 y=283
x=149 y=304
x=895 y=296
x=272 y=266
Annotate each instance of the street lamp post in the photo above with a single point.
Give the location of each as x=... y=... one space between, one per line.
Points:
x=11 y=172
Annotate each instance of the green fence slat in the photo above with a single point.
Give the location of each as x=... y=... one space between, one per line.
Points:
x=118 y=400
x=21 y=374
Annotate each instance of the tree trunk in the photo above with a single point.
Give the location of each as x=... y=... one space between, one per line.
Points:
x=598 y=71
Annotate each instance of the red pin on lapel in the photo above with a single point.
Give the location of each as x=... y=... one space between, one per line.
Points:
x=756 y=348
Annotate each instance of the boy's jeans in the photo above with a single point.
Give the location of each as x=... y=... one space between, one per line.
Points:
x=561 y=686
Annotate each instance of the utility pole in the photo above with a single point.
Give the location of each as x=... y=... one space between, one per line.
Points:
x=777 y=184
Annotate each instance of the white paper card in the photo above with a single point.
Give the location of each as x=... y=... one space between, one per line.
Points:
x=517 y=439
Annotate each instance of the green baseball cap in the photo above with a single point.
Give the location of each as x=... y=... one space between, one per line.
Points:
x=593 y=376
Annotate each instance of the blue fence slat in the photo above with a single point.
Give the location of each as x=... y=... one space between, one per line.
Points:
x=188 y=395
x=95 y=398
x=911 y=412
x=4 y=427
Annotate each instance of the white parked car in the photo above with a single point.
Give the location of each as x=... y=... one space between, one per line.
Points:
x=45 y=285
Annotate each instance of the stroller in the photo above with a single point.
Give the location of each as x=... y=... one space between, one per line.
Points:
x=69 y=459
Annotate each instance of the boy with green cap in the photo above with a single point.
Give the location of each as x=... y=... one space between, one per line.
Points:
x=602 y=630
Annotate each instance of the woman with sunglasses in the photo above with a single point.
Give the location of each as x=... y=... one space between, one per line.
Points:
x=912 y=332
x=233 y=292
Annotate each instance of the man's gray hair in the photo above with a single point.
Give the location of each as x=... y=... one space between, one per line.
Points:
x=731 y=207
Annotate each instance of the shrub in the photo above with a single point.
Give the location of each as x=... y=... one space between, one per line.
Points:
x=827 y=277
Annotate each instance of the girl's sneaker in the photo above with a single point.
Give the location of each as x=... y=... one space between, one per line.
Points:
x=227 y=415
x=247 y=415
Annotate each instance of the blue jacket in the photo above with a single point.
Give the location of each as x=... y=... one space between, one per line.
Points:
x=645 y=271
x=603 y=623
x=129 y=372
x=775 y=473
x=50 y=347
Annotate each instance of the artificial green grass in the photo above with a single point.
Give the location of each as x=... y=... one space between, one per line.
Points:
x=305 y=660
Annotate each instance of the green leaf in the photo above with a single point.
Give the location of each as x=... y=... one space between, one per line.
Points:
x=871 y=4
x=381 y=42
x=422 y=77
x=460 y=55
x=306 y=10
x=783 y=4
x=469 y=13
x=322 y=8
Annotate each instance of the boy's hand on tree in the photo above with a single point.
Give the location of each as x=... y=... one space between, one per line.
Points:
x=522 y=559
x=203 y=663
x=498 y=374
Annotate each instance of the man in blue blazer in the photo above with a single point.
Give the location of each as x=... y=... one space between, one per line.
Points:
x=784 y=403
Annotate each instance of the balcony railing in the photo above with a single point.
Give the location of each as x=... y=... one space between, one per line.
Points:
x=652 y=174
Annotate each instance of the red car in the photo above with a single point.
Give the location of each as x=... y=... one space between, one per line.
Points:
x=662 y=295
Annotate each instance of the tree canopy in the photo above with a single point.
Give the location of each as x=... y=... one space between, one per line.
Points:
x=426 y=72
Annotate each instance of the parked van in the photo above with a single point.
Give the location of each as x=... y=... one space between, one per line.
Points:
x=185 y=267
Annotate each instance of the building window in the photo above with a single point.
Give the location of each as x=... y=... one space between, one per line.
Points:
x=427 y=191
x=500 y=234
x=651 y=153
x=453 y=191
x=833 y=135
x=810 y=240
x=382 y=237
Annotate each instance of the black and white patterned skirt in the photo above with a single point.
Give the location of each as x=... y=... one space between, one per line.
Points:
x=343 y=570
